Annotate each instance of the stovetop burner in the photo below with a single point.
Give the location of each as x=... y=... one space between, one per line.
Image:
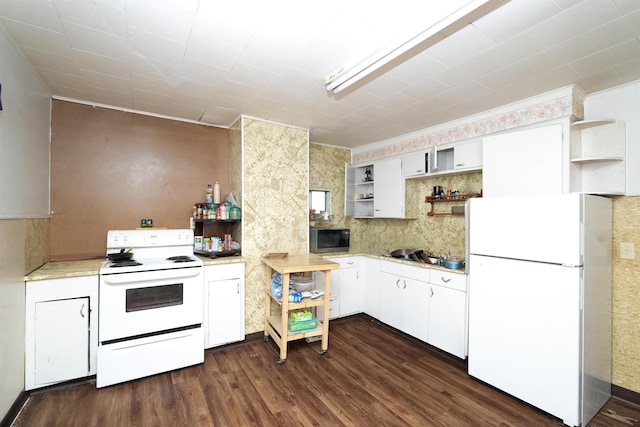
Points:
x=181 y=258
x=125 y=263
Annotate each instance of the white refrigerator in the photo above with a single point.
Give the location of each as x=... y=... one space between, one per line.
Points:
x=540 y=300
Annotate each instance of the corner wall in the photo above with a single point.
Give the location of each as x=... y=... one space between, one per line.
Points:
x=274 y=204
x=24 y=191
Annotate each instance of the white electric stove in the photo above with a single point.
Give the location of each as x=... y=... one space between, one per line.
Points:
x=150 y=308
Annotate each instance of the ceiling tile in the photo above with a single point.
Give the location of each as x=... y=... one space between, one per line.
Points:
x=51 y=61
x=97 y=42
x=270 y=59
x=105 y=16
x=39 y=13
x=153 y=46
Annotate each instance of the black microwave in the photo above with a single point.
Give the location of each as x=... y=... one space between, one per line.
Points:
x=328 y=240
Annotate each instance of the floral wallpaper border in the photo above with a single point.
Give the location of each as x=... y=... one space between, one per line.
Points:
x=565 y=105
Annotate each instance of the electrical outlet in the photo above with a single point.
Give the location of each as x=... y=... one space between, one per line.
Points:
x=627 y=251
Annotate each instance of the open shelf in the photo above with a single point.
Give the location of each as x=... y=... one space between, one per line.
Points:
x=451 y=199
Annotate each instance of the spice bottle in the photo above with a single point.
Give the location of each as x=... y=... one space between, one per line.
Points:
x=216 y=193
x=209 y=194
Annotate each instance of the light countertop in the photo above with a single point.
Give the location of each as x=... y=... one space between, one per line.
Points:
x=91 y=267
x=62 y=269
x=334 y=255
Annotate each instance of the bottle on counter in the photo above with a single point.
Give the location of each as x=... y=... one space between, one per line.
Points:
x=209 y=194
x=216 y=193
x=223 y=211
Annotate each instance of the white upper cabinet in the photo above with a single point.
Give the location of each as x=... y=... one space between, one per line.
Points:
x=598 y=154
x=560 y=157
x=416 y=164
x=621 y=103
x=467 y=155
x=524 y=162
x=458 y=157
x=389 y=189
x=375 y=190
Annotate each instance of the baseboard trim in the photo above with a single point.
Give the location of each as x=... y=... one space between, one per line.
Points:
x=625 y=394
x=19 y=403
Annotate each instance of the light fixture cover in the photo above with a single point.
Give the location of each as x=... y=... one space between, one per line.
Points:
x=394 y=55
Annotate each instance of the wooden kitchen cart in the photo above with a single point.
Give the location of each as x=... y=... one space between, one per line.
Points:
x=277 y=327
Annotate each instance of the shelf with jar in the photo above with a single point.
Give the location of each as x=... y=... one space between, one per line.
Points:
x=213 y=232
x=453 y=197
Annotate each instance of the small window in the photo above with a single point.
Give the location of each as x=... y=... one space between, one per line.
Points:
x=320 y=201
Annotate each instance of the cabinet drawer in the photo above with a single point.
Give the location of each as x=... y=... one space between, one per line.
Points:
x=449 y=280
x=346 y=262
x=405 y=270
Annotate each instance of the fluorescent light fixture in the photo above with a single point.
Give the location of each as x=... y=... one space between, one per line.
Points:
x=396 y=54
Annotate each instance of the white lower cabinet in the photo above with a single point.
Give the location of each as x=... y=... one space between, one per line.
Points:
x=428 y=304
x=404 y=298
x=448 y=312
x=346 y=294
x=61 y=337
x=223 y=304
x=370 y=286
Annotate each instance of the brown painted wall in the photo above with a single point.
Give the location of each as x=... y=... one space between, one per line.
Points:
x=109 y=169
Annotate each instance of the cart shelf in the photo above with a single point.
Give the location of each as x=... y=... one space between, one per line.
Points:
x=277 y=327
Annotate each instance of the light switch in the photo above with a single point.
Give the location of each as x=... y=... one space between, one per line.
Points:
x=627 y=251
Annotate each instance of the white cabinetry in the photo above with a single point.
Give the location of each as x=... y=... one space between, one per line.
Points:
x=560 y=157
x=598 y=150
x=428 y=304
x=223 y=304
x=404 y=298
x=415 y=164
x=525 y=162
x=61 y=336
x=448 y=312
x=380 y=196
x=458 y=157
x=346 y=292
x=370 y=286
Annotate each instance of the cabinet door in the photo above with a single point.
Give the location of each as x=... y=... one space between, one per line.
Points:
x=447 y=319
x=388 y=201
x=415 y=309
x=349 y=291
x=391 y=291
x=370 y=285
x=225 y=317
x=467 y=155
x=61 y=340
x=415 y=164
x=525 y=162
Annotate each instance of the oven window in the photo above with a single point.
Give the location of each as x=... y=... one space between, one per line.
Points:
x=152 y=297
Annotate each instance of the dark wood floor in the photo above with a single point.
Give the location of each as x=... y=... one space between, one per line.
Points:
x=371 y=376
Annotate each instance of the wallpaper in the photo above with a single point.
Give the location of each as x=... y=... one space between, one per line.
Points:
x=626 y=295
x=326 y=172
x=275 y=218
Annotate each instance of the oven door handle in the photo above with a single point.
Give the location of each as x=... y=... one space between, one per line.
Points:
x=150 y=276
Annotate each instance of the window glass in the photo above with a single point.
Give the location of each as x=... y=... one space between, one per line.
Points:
x=320 y=201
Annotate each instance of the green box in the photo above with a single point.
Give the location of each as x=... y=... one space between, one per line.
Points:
x=302 y=326
x=300 y=316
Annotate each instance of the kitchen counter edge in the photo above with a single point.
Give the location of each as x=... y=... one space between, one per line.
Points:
x=392 y=259
x=91 y=267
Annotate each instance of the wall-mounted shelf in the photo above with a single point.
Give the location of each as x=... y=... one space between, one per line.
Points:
x=450 y=199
